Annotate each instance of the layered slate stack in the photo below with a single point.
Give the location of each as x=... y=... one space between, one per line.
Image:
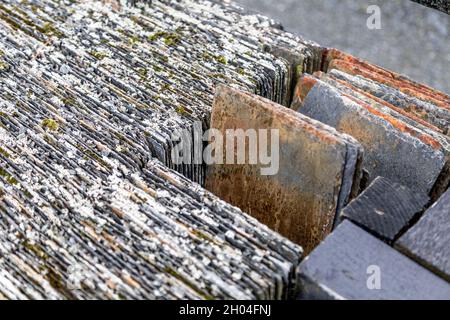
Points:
x=155 y=64
x=352 y=264
x=442 y=5
x=89 y=100
x=403 y=126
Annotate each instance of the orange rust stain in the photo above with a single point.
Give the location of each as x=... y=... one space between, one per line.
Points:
x=332 y=54
x=305 y=84
x=387 y=104
x=280 y=117
x=398 y=124
x=354 y=66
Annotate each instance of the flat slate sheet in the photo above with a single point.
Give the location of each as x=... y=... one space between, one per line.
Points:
x=347 y=263
x=90 y=204
x=442 y=5
x=409 y=105
x=317 y=171
x=428 y=241
x=393 y=149
x=385 y=208
x=335 y=59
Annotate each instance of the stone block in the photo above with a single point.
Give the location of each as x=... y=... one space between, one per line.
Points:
x=393 y=149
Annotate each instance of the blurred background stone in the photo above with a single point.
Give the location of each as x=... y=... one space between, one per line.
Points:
x=414 y=40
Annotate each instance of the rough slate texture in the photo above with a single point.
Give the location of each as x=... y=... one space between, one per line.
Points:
x=392 y=149
x=429 y=240
x=337 y=269
x=89 y=99
x=318 y=169
x=437 y=118
x=335 y=59
x=442 y=5
x=385 y=208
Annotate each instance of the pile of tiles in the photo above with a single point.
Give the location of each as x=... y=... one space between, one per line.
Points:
x=92 y=205
x=89 y=98
x=401 y=218
x=403 y=126
x=442 y=5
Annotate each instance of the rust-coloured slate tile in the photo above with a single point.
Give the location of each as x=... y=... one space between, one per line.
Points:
x=393 y=148
x=335 y=59
x=315 y=163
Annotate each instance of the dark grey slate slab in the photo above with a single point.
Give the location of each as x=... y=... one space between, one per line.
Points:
x=347 y=263
x=91 y=206
x=392 y=148
x=424 y=110
x=442 y=5
x=428 y=241
x=385 y=208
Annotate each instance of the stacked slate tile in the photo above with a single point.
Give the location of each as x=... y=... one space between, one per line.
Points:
x=90 y=204
x=148 y=57
x=317 y=169
x=351 y=264
x=402 y=125
x=386 y=209
x=428 y=241
x=442 y=5
x=386 y=243
x=95 y=97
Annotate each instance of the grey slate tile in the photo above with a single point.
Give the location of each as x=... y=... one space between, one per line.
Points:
x=344 y=266
x=428 y=241
x=385 y=208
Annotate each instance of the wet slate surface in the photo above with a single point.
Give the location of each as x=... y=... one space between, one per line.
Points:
x=340 y=268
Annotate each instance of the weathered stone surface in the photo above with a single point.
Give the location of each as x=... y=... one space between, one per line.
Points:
x=89 y=100
x=416 y=124
x=393 y=149
x=379 y=104
x=346 y=264
x=442 y=5
x=416 y=109
x=142 y=60
x=428 y=241
x=335 y=59
x=385 y=208
x=318 y=169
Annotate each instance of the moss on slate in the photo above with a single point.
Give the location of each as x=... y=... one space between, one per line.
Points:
x=170 y=38
x=8 y=177
x=50 y=124
x=98 y=54
x=222 y=60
